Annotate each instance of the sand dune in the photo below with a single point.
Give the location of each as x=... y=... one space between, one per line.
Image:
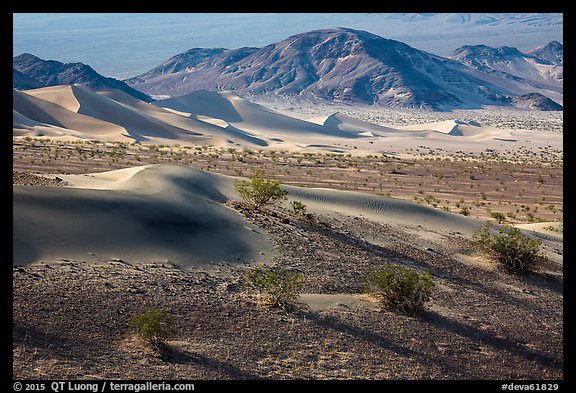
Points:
x=382 y=209
x=203 y=102
x=245 y=115
x=21 y=121
x=213 y=120
x=139 y=125
x=146 y=214
x=542 y=228
x=113 y=115
x=224 y=119
x=159 y=212
x=448 y=127
x=459 y=128
x=355 y=127
x=223 y=133
x=51 y=114
x=23 y=126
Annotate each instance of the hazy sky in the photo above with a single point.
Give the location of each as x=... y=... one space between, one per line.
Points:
x=125 y=45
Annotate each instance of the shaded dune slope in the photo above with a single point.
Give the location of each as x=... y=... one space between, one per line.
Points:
x=153 y=213
x=382 y=209
x=51 y=114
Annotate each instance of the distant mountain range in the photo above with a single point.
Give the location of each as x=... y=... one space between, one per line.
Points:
x=31 y=72
x=23 y=82
x=539 y=71
x=342 y=65
x=359 y=67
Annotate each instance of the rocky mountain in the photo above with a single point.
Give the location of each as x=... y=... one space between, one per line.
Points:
x=32 y=72
x=183 y=62
x=512 y=61
x=337 y=64
x=536 y=101
x=23 y=82
x=552 y=52
x=520 y=73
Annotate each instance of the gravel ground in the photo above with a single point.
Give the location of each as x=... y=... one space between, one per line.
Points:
x=33 y=179
x=70 y=318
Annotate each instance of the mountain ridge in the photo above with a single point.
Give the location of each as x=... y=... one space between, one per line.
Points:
x=337 y=64
x=552 y=51
x=37 y=72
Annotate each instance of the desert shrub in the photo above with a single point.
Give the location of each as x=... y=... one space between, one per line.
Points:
x=400 y=288
x=557 y=228
x=298 y=207
x=278 y=289
x=258 y=191
x=513 y=250
x=499 y=217
x=155 y=326
x=300 y=210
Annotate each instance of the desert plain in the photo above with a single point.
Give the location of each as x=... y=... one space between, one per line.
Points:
x=120 y=206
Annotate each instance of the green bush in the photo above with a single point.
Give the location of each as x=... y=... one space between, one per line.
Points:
x=400 y=288
x=300 y=210
x=258 y=192
x=298 y=207
x=513 y=250
x=279 y=289
x=499 y=217
x=155 y=326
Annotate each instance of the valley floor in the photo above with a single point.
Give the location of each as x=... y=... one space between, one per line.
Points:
x=523 y=185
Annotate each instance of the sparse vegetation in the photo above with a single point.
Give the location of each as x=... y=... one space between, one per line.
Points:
x=400 y=288
x=555 y=228
x=514 y=251
x=258 y=191
x=278 y=289
x=513 y=170
x=226 y=337
x=155 y=327
x=499 y=217
x=299 y=209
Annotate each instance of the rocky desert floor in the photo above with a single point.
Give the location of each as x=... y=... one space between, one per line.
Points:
x=70 y=317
